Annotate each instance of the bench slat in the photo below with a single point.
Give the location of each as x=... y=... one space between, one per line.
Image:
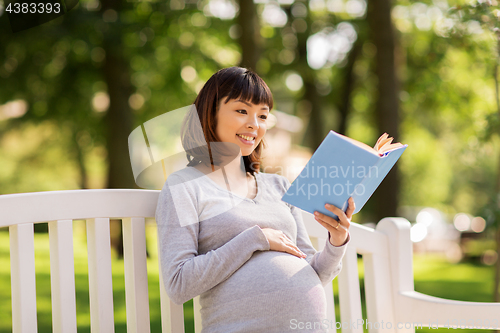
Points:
x=349 y=293
x=22 y=273
x=62 y=276
x=435 y=311
x=197 y=314
x=136 y=275
x=172 y=315
x=100 y=280
x=379 y=307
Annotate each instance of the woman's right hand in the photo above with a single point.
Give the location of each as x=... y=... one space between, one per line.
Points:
x=278 y=241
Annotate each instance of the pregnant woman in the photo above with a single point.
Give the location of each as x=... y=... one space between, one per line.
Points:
x=224 y=232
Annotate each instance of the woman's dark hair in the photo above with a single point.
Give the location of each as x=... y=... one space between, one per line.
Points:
x=228 y=83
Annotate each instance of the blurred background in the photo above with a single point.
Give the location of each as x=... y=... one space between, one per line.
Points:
x=426 y=72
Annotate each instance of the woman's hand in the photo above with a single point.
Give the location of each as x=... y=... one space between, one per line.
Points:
x=339 y=229
x=280 y=242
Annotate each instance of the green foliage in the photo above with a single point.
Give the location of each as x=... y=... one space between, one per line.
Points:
x=485 y=13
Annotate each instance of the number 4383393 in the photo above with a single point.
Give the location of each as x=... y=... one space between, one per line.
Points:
x=33 y=8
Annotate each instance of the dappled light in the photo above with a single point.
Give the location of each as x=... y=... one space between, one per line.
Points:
x=330 y=47
x=13 y=109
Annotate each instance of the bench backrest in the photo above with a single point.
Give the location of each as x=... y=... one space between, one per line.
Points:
x=387 y=257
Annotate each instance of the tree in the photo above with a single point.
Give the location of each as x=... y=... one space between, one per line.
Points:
x=487 y=14
x=250 y=39
x=387 y=103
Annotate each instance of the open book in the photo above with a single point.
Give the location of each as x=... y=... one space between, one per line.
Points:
x=342 y=167
x=383 y=146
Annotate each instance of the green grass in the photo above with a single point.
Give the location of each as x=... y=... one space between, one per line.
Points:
x=464 y=281
x=433 y=276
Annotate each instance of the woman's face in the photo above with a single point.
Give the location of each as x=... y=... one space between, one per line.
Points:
x=238 y=118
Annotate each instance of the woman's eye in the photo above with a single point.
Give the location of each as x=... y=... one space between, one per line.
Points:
x=241 y=111
x=264 y=117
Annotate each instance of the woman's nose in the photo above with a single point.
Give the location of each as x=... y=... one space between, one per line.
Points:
x=253 y=122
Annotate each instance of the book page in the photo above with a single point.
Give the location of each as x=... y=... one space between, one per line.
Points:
x=384 y=144
x=360 y=144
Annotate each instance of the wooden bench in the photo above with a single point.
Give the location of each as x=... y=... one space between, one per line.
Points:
x=387 y=256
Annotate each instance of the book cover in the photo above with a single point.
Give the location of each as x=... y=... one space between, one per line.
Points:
x=341 y=167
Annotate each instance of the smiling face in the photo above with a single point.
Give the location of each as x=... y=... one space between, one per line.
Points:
x=217 y=101
x=242 y=123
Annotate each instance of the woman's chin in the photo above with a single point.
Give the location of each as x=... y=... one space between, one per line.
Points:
x=246 y=151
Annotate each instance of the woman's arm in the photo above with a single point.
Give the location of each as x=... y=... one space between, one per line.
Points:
x=187 y=274
x=328 y=262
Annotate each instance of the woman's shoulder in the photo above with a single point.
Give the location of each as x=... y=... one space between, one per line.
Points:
x=186 y=173
x=187 y=176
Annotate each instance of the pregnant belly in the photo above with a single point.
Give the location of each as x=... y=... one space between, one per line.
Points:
x=270 y=289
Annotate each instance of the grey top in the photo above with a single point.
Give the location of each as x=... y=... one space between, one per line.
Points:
x=212 y=245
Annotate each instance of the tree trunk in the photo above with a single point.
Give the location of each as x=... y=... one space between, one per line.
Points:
x=349 y=81
x=315 y=133
x=250 y=39
x=118 y=121
x=387 y=105
x=119 y=116
x=80 y=159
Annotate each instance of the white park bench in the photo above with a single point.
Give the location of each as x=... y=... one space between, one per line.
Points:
x=387 y=256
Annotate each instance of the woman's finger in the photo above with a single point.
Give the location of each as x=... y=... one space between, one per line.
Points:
x=295 y=248
x=330 y=221
x=343 y=219
x=337 y=231
x=289 y=247
x=292 y=249
x=350 y=208
x=327 y=225
x=337 y=236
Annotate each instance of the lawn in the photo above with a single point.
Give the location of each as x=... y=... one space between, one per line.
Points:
x=433 y=276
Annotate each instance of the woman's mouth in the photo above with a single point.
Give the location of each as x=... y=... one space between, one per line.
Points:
x=246 y=139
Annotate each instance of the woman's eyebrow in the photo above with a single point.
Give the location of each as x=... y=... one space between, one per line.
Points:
x=249 y=104
x=244 y=102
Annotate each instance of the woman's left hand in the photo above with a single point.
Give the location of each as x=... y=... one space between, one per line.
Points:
x=338 y=229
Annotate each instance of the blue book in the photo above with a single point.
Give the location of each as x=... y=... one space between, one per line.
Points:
x=342 y=167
